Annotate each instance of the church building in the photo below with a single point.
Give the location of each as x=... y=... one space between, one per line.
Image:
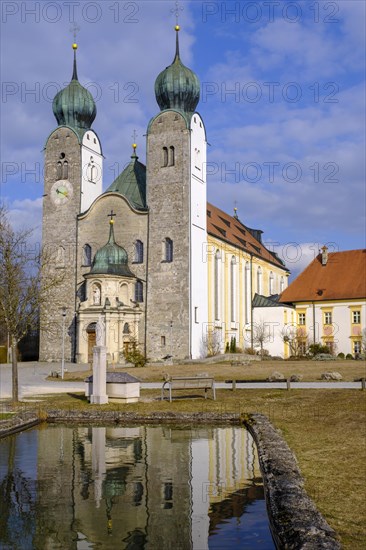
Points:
x=163 y=269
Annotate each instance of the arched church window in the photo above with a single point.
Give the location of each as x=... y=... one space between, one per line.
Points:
x=233 y=288
x=97 y=294
x=217 y=284
x=139 y=295
x=60 y=257
x=171 y=156
x=282 y=284
x=259 y=280
x=139 y=252
x=126 y=328
x=271 y=283
x=87 y=255
x=168 y=250
x=124 y=294
x=59 y=170
x=247 y=292
x=65 y=170
x=165 y=156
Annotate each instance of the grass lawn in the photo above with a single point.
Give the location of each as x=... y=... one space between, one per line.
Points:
x=325 y=429
x=310 y=370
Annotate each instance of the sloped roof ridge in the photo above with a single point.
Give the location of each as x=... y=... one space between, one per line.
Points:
x=342 y=278
x=213 y=229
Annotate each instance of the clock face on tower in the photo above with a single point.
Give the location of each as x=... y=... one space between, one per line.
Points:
x=61 y=192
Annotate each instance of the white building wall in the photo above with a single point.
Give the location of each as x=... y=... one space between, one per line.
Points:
x=342 y=328
x=273 y=318
x=92 y=169
x=198 y=238
x=342 y=332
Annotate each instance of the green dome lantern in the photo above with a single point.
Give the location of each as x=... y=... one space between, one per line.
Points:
x=111 y=259
x=74 y=106
x=177 y=87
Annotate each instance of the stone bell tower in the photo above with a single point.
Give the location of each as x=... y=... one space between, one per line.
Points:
x=176 y=196
x=73 y=179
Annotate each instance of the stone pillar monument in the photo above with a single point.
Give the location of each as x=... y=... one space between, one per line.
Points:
x=98 y=462
x=99 y=395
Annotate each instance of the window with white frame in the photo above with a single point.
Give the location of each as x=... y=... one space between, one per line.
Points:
x=356 y=317
x=328 y=318
x=301 y=318
x=357 y=346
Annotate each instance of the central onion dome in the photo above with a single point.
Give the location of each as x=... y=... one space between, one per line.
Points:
x=74 y=105
x=111 y=259
x=177 y=87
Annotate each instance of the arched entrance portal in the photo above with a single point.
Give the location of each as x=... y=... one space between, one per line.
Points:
x=92 y=341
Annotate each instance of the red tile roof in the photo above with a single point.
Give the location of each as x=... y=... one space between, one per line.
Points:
x=230 y=230
x=342 y=278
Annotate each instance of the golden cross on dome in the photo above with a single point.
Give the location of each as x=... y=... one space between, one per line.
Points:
x=74 y=29
x=112 y=215
x=176 y=11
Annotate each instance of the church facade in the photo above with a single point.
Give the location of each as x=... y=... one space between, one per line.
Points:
x=162 y=268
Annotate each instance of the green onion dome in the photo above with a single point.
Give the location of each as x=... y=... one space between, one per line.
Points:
x=111 y=259
x=74 y=106
x=177 y=87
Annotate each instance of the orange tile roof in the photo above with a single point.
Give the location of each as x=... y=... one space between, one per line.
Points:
x=342 y=278
x=232 y=231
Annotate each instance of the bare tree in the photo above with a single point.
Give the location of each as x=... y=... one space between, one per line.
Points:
x=363 y=341
x=211 y=342
x=296 y=343
x=261 y=334
x=21 y=291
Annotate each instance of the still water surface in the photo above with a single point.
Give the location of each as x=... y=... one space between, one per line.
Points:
x=147 y=487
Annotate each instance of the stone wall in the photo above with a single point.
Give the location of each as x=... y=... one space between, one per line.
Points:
x=168 y=197
x=296 y=522
x=59 y=238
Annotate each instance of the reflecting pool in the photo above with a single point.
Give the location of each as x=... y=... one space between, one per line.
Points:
x=139 y=487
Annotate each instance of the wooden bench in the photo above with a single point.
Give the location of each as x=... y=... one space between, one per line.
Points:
x=188 y=383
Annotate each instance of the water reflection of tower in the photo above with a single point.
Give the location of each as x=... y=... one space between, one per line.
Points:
x=168 y=488
x=116 y=486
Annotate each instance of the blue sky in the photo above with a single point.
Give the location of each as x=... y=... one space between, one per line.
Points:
x=282 y=97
